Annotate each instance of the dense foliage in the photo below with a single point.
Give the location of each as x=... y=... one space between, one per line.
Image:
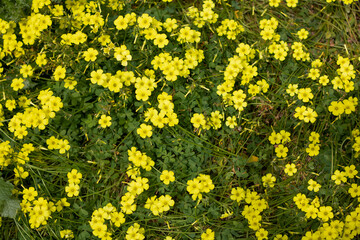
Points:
x=179 y=119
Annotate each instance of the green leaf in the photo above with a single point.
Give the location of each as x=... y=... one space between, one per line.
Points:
x=84 y=235
x=10 y=208
x=5 y=189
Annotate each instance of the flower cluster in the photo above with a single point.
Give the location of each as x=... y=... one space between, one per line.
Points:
x=73 y=38
x=332 y=230
x=21 y=158
x=268 y=28
x=252 y=211
x=6 y=153
x=300 y=54
x=135 y=232
x=313 y=148
x=33 y=117
x=159 y=118
x=356 y=137
x=174 y=67
x=346 y=106
x=38 y=209
x=73 y=189
x=199 y=185
x=188 y=35
x=279 y=50
x=139 y=159
x=60 y=144
x=158 y=205
x=122 y=54
x=280 y=139
x=142 y=73
x=346 y=74
x=67 y=234
x=306 y=114
x=207 y=15
x=98 y=221
x=123 y=22
x=230 y=28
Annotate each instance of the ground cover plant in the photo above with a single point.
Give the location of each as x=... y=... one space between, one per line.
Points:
x=179 y=119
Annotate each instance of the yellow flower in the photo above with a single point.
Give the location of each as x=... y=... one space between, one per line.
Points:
x=117 y=218
x=105 y=121
x=72 y=190
x=170 y=24
x=74 y=176
x=292 y=89
x=309 y=115
x=41 y=59
x=144 y=21
x=167 y=177
x=52 y=143
x=305 y=94
x=17 y=83
x=99 y=229
x=59 y=73
x=267 y=33
x=193 y=186
x=198 y=120
x=281 y=237
x=67 y=234
x=144 y=130
x=339 y=177
x=90 y=54
x=29 y=194
x=268 y=180
x=281 y=151
x=350 y=171
x=325 y=213
x=70 y=83
x=302 y=33
x=261 y=234
x=26 y=71
x=314 y=137
x=324 y=80
x=290 y=169
x=208 y=235
x=121 y=23
x=354 y=190
x=237 y=194
x=274 y=3
x=231 y=122
x=313 y=186
x=275 y=138
x=336 y=108
x=291 y=3
x=313 y=149
x=63 y=146
x=61 y=204
x=311 y=211
x=161 y=40
x=20 y=172
x=142 y=94
x=10 y=104
x=122 y=54
x=285 y=136
x=98 y=77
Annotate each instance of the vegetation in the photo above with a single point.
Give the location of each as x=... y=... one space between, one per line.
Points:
x=179 y=119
